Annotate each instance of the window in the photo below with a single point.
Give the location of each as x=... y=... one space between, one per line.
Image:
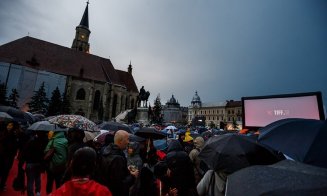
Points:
x=96 y=102
x=80 y=95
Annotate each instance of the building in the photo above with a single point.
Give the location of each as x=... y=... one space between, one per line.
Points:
x=220 y=114
x=93 y=85
x=173 y=112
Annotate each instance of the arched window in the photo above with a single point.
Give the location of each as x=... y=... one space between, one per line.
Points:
x=96 y=102
x=80 y=95
x=114 y=106
x=132 y=103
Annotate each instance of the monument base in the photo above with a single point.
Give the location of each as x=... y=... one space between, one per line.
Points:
x=142 y=115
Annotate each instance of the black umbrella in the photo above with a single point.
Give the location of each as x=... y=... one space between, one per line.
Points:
x=303 y=140
x=150 y=132
x=114 y=126
x=18 y=115
x=231 y=152
x=283 y=178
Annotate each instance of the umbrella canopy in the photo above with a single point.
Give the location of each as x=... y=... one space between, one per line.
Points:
x=46 y=126
x=17 y=115
x=171 y=127
x=101 y=138
x=114 y=126
x=90 y=135
x=74 y=121
x=5 y=115
x=150 y=132
x=303 y=140
x=231 y=152
x=283 y=178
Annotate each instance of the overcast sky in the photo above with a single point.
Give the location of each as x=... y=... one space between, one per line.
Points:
x=224 y=49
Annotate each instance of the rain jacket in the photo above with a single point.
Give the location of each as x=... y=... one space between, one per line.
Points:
x=72 y=188
x=198 y=172
x=182 y=173
x=212 y=184
x=59 y=159
x=135 y=158
x=114 y=173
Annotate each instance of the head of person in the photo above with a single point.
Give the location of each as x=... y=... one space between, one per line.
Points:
x=199 y=142
x=83 y=162
x=121 y=139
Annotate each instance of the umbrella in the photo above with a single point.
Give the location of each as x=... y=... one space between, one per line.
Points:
x=4 y=115
x=114 y=126
x=283 y=178
x=171 y=127
x=90 y=135
x=160 y=144
x=303 y=140
x=231 y=152
x=150 y=132
x=101 y=138
x=74 y=121
x=46 y=126
x=17 y=115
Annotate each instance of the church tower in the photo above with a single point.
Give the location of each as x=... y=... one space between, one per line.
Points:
x=81 y=41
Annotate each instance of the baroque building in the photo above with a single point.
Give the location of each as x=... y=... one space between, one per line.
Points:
x=173 y=112
x=94 y=87
x=222 y=114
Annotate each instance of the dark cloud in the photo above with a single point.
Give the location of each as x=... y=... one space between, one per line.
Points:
x=223 y=49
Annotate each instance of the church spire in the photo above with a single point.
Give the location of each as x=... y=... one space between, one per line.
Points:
x=129 y=69
x=81 y=41
x=85 y=19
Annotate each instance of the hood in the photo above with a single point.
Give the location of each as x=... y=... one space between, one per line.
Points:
x=135 y=146
x=199 y=142
x=59 y=134
x=174 y=145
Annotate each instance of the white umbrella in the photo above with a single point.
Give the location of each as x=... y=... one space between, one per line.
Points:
x=5 y=115
x=171 y=127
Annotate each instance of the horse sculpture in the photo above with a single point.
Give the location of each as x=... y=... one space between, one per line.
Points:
x=143 y=96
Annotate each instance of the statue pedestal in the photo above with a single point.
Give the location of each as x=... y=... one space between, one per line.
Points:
x=142 y=115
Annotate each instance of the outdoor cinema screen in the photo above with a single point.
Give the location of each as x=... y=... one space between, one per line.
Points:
x=262 y=110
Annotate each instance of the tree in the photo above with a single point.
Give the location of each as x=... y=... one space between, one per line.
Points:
x=3 y=94
x=65 y=109
x=156 y=113
x=39 y=100
x=55 y=103
x=13 y=98
x=235 y=125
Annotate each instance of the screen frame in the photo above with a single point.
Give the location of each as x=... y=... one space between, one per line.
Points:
x=317 y=94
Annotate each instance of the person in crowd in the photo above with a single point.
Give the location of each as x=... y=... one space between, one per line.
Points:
x=10 y=142
x=188 y=142
x=198 y=145
x=145 y=185
x=148 y=152
x=212 y=184
x=134 y=160
x=179 y=175
x=82 y=167
x=114 y=171
x=32 y=154
x=57 y=164
x=75 y=142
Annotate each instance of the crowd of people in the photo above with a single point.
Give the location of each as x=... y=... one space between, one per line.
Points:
x=120 y=167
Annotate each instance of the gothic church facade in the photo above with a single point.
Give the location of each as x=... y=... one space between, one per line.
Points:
x=95 y=88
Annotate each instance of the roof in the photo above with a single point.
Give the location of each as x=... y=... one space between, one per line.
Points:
x=232 y=103
x=42 y=55
x=127 y=80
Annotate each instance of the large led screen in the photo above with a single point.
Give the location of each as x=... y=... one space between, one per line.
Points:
x=261 y=111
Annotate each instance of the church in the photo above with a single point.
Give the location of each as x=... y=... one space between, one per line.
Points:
x=94 y=87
